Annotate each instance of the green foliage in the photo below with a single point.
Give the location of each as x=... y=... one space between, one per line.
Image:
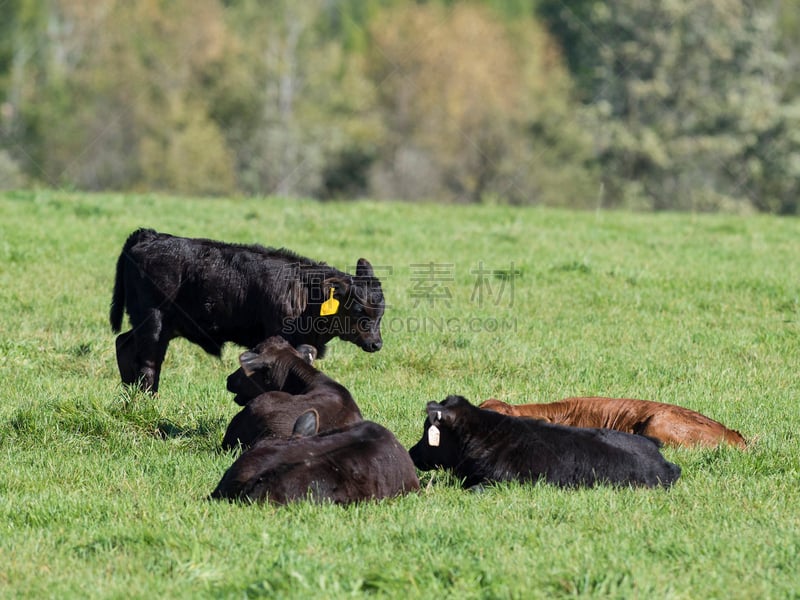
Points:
x=477 y=111
x=102 y=491
x=296 y=107
x=688 y=102
x=787 y=16
x=11 y=176
x=117 y=78
x=686 y=105
x=191 y=156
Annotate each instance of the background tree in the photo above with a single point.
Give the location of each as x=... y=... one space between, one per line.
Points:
x=294 y=105
x=103 y=95
x=683 y=105
x=686 y=102
x=23 y=21
x=467 y=102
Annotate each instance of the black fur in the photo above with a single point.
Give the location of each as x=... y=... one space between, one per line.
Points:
x=483 y=446
x=212 y=292
x=287 y=387
x=363 y=461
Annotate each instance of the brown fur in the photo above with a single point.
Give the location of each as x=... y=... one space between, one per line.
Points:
x=673 y=425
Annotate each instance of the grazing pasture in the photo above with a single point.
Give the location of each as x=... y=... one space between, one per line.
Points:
x=103 y=490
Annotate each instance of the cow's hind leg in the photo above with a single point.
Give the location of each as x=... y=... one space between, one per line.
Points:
x=126 y=357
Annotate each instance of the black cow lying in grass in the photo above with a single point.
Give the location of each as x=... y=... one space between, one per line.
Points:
x=212 y=292
x=482 y=446
x=363 y=461
x=289 y=386
x=272 y=366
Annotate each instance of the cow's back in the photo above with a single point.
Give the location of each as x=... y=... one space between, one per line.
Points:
x=522 y=448
x=361 y=462
x=629 y=455
x=212 y=292
x=365 y=472
x=273 y=414
x=670 y=423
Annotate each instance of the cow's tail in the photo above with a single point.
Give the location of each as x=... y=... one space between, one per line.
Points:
x=118 y=295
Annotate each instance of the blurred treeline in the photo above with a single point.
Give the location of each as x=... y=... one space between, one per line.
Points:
x=646 y=104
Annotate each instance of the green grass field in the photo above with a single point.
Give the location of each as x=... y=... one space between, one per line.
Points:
x=102 y=493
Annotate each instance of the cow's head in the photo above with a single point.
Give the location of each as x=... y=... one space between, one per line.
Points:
x=440 y=446
x=358 y=309
x=267 y=367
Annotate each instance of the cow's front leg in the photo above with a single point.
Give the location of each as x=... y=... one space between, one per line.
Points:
x=152 y=340
x=150 y=370
x=148 y=376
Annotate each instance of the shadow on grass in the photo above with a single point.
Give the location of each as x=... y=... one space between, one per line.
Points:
x=124 y=418
x=169 y=430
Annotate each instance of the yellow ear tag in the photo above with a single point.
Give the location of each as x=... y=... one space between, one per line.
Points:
x=329 y=307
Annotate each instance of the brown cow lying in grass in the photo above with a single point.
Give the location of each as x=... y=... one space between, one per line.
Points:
x=671 y=424
x=363 y=461
x=289 y=386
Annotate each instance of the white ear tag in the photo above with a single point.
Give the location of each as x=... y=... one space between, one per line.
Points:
x=433 y=436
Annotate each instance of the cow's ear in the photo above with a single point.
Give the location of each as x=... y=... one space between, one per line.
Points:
x=307 y=352
x=340 y=286
x=364 y=268
x=448 y=417
x=439 y=415
x=306 y=424
x=250 y=362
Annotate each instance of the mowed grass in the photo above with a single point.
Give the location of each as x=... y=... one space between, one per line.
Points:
x=103 y=492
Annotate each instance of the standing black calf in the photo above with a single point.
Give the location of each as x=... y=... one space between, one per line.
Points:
x=212 y=292
x=363 y=461
x=483 y=446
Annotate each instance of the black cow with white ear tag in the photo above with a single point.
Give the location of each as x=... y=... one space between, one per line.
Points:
x=481 y=446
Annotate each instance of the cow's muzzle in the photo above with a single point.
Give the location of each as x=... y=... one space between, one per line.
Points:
x=371 y=345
